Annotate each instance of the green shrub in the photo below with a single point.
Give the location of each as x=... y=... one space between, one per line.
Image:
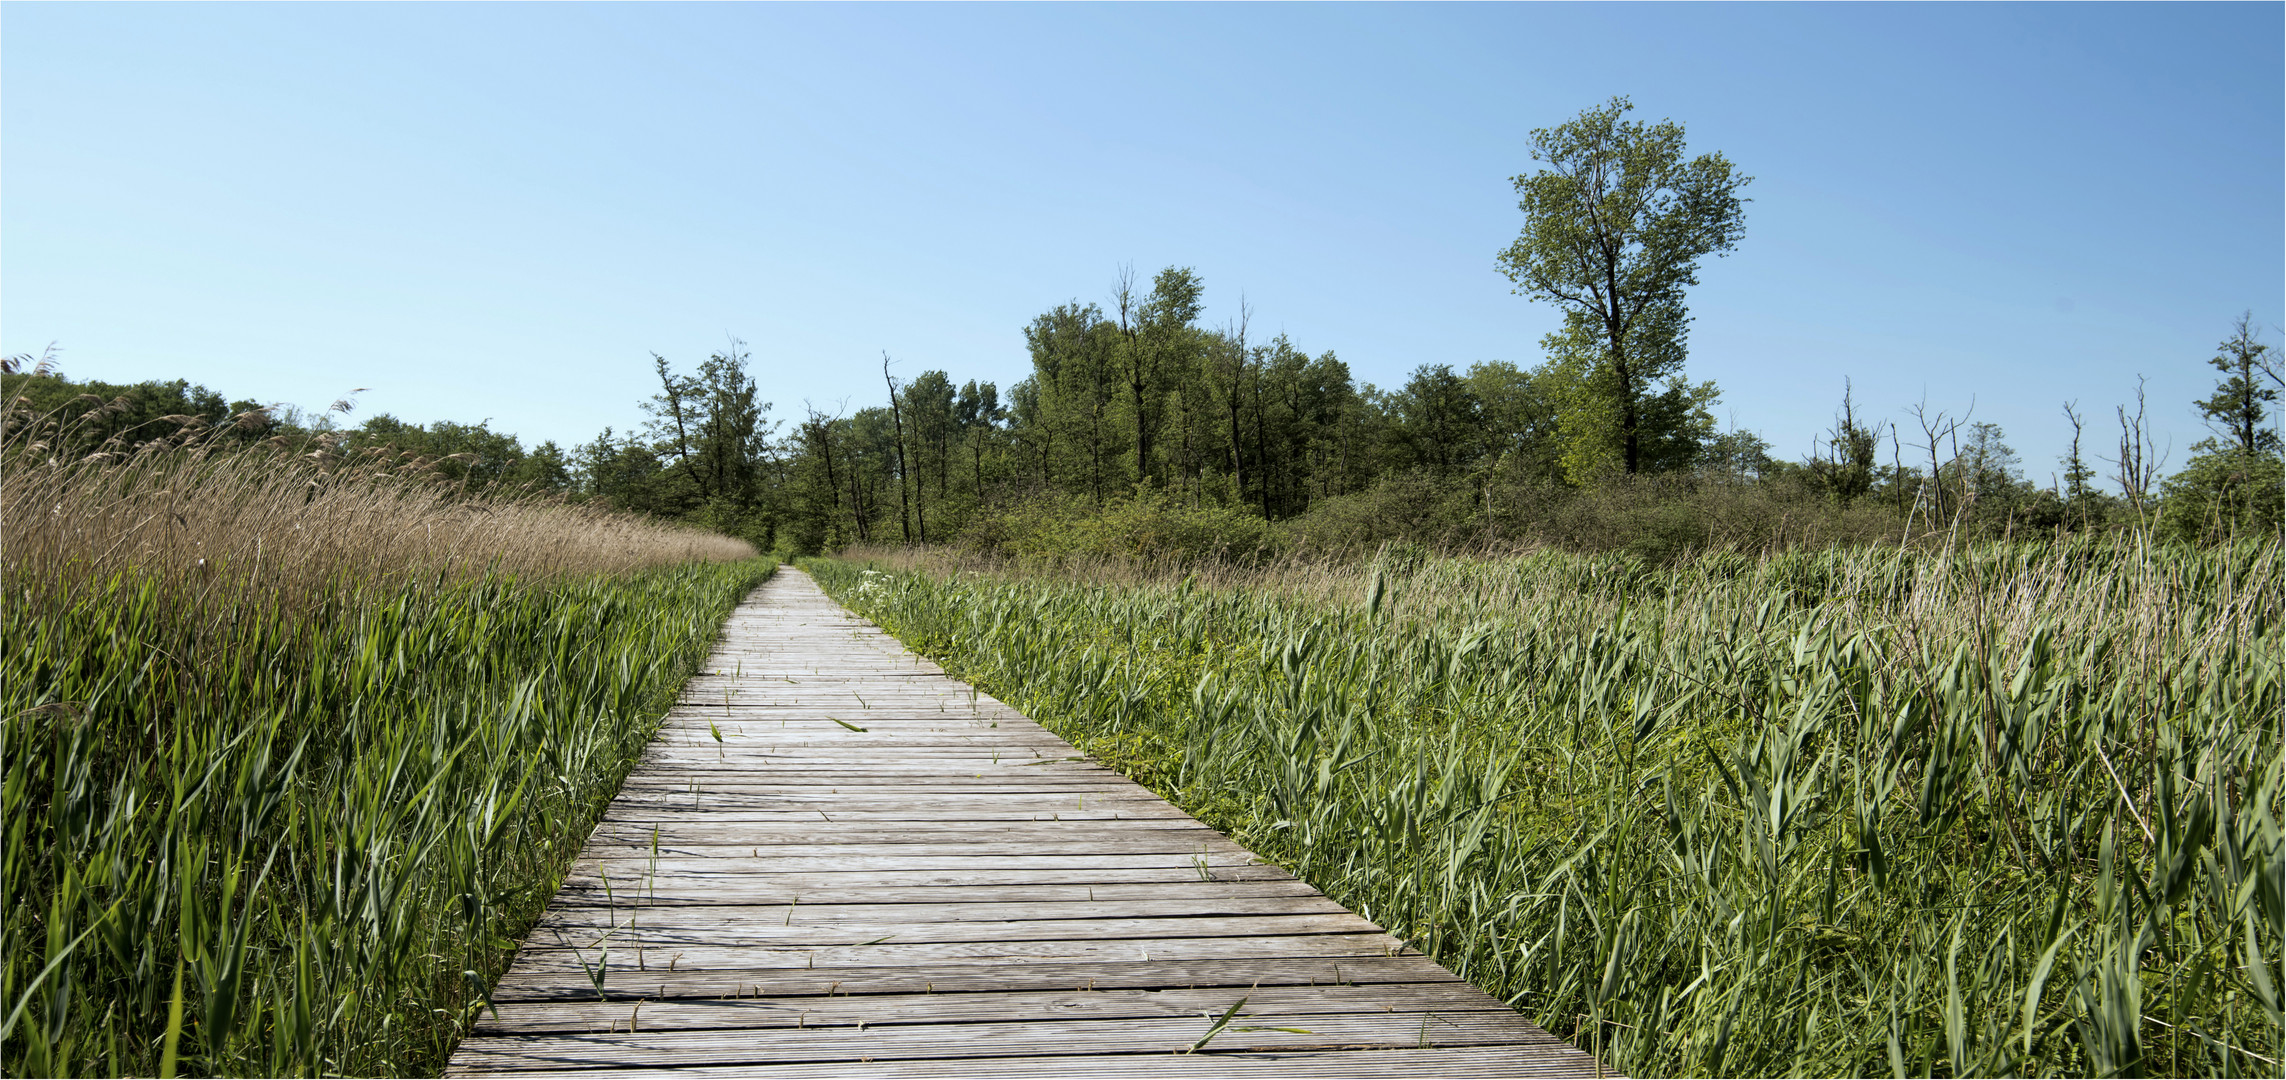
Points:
x=2224 y=493
x=1151 y=527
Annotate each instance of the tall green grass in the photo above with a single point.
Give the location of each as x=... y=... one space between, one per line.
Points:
x=294 y=745
x=2012 y=809
x=314 y=850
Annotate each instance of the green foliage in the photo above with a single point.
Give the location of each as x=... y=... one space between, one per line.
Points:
x=1438 y=421
x=100 y=415
x=244 y=840
x=2224 y=492
x=1849 y=462
x=1142 y=400
x=472 y=457
x=2250 y=381
x=1409 y=504
x=1614 y=228
x=2003 y=809
x=1150 y=527
x=707 y=455
x=1656 y=518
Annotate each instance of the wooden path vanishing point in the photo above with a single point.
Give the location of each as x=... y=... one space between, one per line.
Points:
x=878 y=871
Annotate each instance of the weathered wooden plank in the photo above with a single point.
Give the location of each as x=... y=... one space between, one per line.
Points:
x=862 y=889
x=937 y=694
x=691 y=725
x=957 y=778
x=1495 y=1063
x=952 y=807
x=810 y=830
x=1024 y=841
x=951 y=802
x=990 y=1040
x=571 y=959
x=781 y=880
x=704 y=762
x=696 y=749
x=1044 y=837
x=1143 y=814
x=951 y=890
x=954 y=796
x=664 y=868
x=703 y=821
x=592 y=1017
x=819 y=913
x=952 y=977
x=709 y=942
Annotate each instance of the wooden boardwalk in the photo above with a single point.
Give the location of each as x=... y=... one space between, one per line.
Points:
x=877 y=871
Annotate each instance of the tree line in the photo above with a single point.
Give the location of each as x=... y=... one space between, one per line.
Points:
x=1132 y=400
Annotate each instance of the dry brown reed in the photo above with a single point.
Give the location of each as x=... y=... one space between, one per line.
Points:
x=287 y=527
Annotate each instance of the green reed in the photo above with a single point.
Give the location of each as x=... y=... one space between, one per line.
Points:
x=247 y=838
x=2011 y=809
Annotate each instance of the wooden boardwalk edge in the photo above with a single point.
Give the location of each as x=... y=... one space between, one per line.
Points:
x=835 y=860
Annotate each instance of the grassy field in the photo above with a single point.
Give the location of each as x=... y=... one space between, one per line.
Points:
x=292 y=749
x=2009 y=809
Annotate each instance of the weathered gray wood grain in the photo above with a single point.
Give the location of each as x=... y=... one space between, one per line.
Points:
x=1497 y=1063
x=951 y=891
x=733 y=1013
x=988 y=1040
x=985 y=976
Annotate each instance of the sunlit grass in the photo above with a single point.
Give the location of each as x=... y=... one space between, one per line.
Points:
x=290 y=755
x=2013 y=809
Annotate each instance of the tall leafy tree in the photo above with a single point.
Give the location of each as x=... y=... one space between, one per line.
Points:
x=1987 y=467
x=1306 y=427
x=1592 y=405
x=1614 y=228
x=1519 y=418
x=1439 y=420
x=1844 y=465
x=713 y=444
x=1072 y=399
x=2233 y=481
x=929 y=403
x=977 y=415
x=1161 y=343
x=1228 y=364
x=2250 y=382
x=711 y=429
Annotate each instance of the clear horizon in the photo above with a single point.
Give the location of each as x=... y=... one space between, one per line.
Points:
x=499 y=213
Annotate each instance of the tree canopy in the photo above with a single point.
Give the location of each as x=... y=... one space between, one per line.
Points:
x=1614 y=228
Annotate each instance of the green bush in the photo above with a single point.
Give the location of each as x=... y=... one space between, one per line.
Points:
x=2222 y=493
x=1658 y=518
x=1151 y=527
x=1406 y=505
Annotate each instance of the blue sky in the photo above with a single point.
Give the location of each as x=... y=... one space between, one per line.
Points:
x=499 y=211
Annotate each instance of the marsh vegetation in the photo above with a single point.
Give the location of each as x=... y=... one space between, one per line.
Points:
x=2002 y=808
x=294 y=743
